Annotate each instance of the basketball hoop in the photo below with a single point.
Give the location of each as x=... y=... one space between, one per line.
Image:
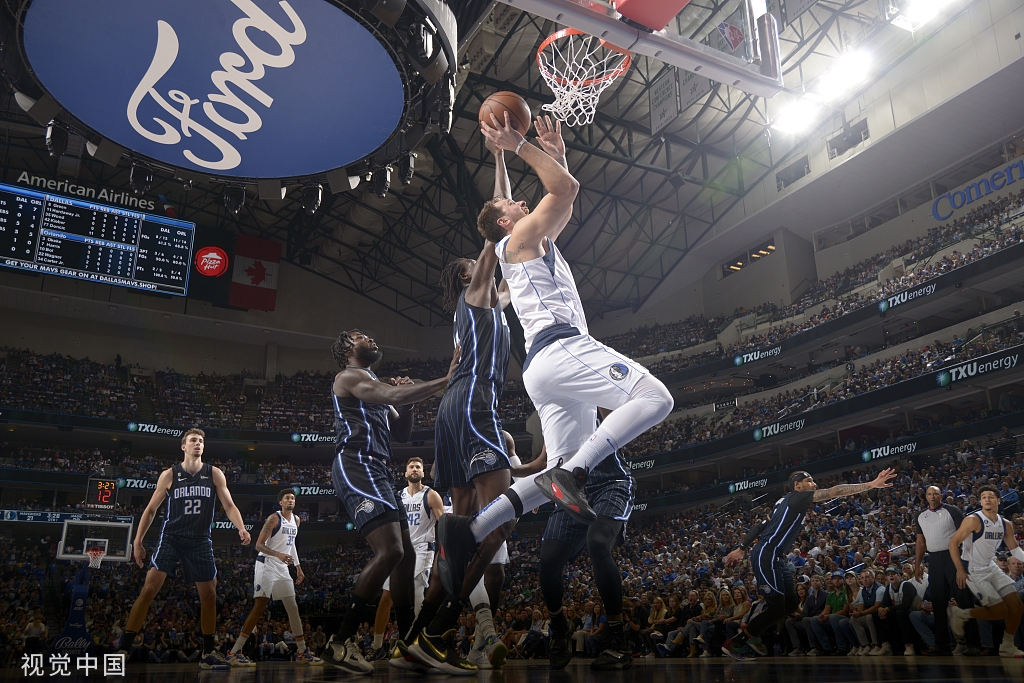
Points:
x=95 y=557
x=578 y=67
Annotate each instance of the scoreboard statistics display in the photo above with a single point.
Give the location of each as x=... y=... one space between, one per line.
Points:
x=101 y=494
x=57 y=235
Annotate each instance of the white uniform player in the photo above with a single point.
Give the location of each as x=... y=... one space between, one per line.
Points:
x=981 y=534
x=272 y=579
x=422 y=522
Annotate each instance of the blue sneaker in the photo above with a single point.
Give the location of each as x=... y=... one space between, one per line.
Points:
x=214 y=661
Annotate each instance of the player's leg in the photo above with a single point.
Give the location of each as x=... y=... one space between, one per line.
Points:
x=284 y=590
x=563 y=539
x=380 y=622
x=776 y=587
x=613 y=504
x=259 y=608
x=154 y=582
x=403 y=590
x=208 y=617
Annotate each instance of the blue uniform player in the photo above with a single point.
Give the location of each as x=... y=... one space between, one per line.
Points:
x=188 y=491
x=365 y=420
x=768 y=541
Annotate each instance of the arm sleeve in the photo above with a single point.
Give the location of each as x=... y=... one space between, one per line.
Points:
x=754 y=533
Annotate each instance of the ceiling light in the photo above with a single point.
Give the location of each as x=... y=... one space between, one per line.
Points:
x=846 y=73
x=916 y=13
x=141 y=178
x=234 y=198
x=56 y=139
x=733 y=268
x=799 y=116
x=311 y=196
x=770 y=247
x=407 y=168
x=763 y=252
x=382 y=181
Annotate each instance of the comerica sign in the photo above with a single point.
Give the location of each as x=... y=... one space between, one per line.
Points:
x=945 y=204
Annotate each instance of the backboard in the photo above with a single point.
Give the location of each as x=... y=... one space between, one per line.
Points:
x=80 y=536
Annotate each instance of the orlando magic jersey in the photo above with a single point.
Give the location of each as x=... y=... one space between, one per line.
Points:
x=981 y=546
x=190 y=502
x=421 y=518
x=484 y=336
x=786 y=522
x=362 y=428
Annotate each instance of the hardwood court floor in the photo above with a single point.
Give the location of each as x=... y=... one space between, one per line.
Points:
x=718 y=670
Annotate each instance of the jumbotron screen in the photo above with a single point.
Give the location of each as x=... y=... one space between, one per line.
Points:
x=57 y=235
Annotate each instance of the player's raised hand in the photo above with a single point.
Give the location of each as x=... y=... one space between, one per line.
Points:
x=882 y=480
x=501 y=135
x=733 y=558
x=398 y=381
x=550 y=137
x=244 y=536
x=139 y=553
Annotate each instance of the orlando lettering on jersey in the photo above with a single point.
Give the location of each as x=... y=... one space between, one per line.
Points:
x=193 y=492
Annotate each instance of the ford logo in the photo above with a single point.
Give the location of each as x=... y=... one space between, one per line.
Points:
x=245 y=88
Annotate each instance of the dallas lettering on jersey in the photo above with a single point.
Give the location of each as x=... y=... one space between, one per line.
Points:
x=738 y=486
x=760 y=354
x=193 y=492
x=994 y=535
x=903 y=297
x=888 y=451
x=778 y=428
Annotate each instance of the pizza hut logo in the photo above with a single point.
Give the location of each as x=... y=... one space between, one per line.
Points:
x=211 y=261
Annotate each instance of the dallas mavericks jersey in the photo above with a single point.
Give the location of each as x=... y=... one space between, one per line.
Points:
x=980 y=547
x=362 y=428
x=282 y=539
x=543 y=292
x=421 y=519
x=190 y=502
x=483 y=334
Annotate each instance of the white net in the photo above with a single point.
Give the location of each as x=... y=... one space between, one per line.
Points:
x=95 y=558
x=578 y=67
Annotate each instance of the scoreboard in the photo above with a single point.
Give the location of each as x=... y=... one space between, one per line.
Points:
x=57 y=235
x=101 y=493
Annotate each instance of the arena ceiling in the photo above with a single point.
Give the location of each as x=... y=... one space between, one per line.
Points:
x=645 y=201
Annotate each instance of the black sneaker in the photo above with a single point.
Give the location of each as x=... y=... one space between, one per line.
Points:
x=566 y=490
x=456 y=546
x=734 y=649
x=559 y=652
x=436 y=652
x=401 y=659
x=382 y=652
x=617 y=656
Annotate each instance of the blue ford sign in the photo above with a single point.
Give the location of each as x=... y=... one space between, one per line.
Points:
x=246 y=88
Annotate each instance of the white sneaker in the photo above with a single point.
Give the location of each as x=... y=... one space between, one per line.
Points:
x=706 y=653
x=814 y=652
x=884 y=650
x=908 y=651
x=797 y=653
x=237 y=659
x=854 y=651
x=307 y=657
x=960 y=649
x=480 y=658
x=346 y=656
x=1010 y=651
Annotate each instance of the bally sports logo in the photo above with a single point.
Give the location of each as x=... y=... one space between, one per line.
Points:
x=312 y=438
x=756 y=355
x=738 y=486
x=778 y=428
x=903 y=297
x=975 y=368
x=211 y=261
x=870 y=454
x=145 y=428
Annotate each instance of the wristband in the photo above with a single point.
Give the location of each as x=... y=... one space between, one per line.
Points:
x=520 y=146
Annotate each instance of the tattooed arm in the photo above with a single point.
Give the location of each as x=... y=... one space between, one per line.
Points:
x=843 y=490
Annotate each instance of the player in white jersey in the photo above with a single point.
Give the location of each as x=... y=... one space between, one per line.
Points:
x=567 y=373
x=982 y=533
x=278 y=555
x=423 y=507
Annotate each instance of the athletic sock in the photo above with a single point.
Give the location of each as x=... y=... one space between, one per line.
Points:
x=447 y=617
x=405 y=616
x=357 y=608
x=427 y=612
x=208 y=644
x=497 y=512
x=300 y=645
x=128 y=639
x=1008 y=641
x=484 y=626
x=378 y=640
x=559 y=624
x=240 y=643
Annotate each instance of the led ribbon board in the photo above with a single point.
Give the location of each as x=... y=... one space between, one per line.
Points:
x=243 y=88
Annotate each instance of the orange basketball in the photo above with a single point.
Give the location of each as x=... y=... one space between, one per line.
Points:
x=499 y=103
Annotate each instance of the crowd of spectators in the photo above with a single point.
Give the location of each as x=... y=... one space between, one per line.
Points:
x=61 y=384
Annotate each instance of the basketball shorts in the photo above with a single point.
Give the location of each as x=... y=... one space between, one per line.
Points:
x=366 y=487
x=467 y=435
x=421 y=575
x=194 y=554
x=272 y=579
x=568 y=380
x=612 y=498
x=989 y=584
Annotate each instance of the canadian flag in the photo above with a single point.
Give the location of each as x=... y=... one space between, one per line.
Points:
x=254 y=279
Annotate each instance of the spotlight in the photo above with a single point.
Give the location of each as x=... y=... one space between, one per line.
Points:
x=407 y=168
x=797 y=117
x=56 y=139
x=382 y=181
x=846 y=73
x=916 y=13
x=141 y=178
x=311 y=195
x=234 y=198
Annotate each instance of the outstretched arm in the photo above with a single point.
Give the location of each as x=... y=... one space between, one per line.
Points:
x=366 y=389
x=970 y=525
x=843 y=490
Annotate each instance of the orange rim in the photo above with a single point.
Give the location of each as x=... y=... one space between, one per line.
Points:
x=611 y=75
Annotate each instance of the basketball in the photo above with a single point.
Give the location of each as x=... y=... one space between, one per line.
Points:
x=504 y=101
